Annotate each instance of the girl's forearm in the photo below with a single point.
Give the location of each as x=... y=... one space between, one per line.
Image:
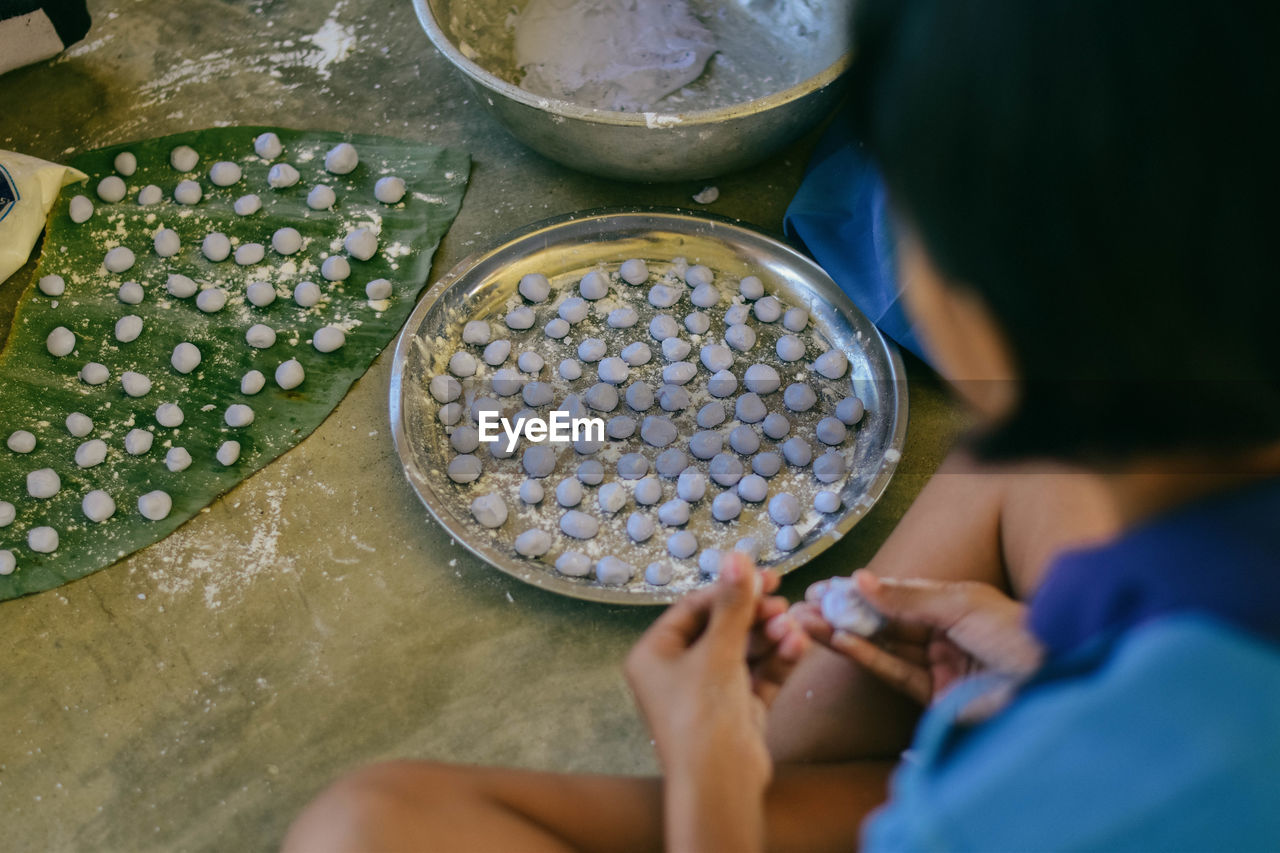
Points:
x=708 y=810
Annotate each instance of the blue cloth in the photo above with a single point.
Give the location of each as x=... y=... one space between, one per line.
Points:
x=1219 y=556
x=840 y=216
x=1155 y=724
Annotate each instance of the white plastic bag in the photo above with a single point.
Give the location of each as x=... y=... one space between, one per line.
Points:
x=28 y=188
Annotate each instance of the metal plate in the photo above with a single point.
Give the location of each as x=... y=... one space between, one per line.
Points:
x=566 y=248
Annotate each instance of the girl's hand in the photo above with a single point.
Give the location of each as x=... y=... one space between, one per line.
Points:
x=704 y=701
x=937 y=633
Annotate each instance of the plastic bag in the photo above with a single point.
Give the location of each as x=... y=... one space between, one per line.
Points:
x=28 y=188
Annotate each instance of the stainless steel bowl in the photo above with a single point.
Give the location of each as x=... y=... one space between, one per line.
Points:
x=564 y=249
x=655 y=146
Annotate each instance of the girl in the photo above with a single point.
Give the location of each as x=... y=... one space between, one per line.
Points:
x=1085 y=198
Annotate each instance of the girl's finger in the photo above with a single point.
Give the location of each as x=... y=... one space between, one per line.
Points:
x=810 y=619
x=736 y=594
x=679 y=625
x=902 y=675
x=911 y=652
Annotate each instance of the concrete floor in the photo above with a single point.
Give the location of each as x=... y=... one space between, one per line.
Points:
x=195 y=695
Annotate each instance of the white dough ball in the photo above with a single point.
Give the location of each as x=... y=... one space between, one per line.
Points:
x=183 y=158
x=826 y=502
x=535 y=287
x=389 y=190
x=80 y=209
x=252 y=382
x=850 y=410
x=188 y=192
x=378 y=289
x=155 y=505
x=789 y=348
x=118 y=259
x=186 y=357
x=224 y=173
x=128 y=328
x=532 y=543
x=260 y=336
x=177 y=459
x=7 y=513
x=768 y=309
x=282 y=175
x=79 y=424
x=698 y=275
x=751 y=287
x=130 y=293
x=361 y=244
x=211 y=300
x=167 y=242
x=169 y=415
x=530 y=362
x=135 y=384
x=489 y=510
x=8 y=563
x=94 y=373
x=831 y=364
x=634 y=271
x=247 y=205
x=238 y=415
x=335 y=268
x=286 y=241
x=614 y=571
x=531 y=492
x=306 y=294
x=180 y=286
x=43 y=540
x=328 y=339
x=762 y=379
x=52 y=285
x=267 y=146
x=228 y=452
x=149 y=195
x=98 y=506
x=61 y=341
x=520 y=318
x=91 y=453
x=43 y=483
x=705 y=296
x=138 y=441
x=594 y=285
x=342 y=159
x=573 y=564
x=248 y=254
x=216 y=247
x=260 y=293
x=321 y=197
x=111 y=189
x=125 y=163
x=569 y=369
x=289 y=374
x=795 y=320
x=21 y=441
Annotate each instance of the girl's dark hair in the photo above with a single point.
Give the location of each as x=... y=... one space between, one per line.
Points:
x=1105 y=174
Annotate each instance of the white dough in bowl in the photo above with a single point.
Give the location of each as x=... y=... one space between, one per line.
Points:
x=610 y=54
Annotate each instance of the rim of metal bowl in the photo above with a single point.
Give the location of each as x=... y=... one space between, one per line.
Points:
x=568 y=109
x=607 y=595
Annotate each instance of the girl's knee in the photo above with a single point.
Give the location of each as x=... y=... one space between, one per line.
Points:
x=379 y=806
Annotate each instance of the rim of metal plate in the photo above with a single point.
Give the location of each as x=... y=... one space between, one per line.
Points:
x=596 y=230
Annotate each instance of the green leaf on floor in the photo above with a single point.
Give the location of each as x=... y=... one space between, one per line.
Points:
x=39 y=390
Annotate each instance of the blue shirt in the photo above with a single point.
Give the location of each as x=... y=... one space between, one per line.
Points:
x=1155 y=723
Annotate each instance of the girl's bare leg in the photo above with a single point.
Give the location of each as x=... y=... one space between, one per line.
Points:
x=970 y=522
x=422 y=806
